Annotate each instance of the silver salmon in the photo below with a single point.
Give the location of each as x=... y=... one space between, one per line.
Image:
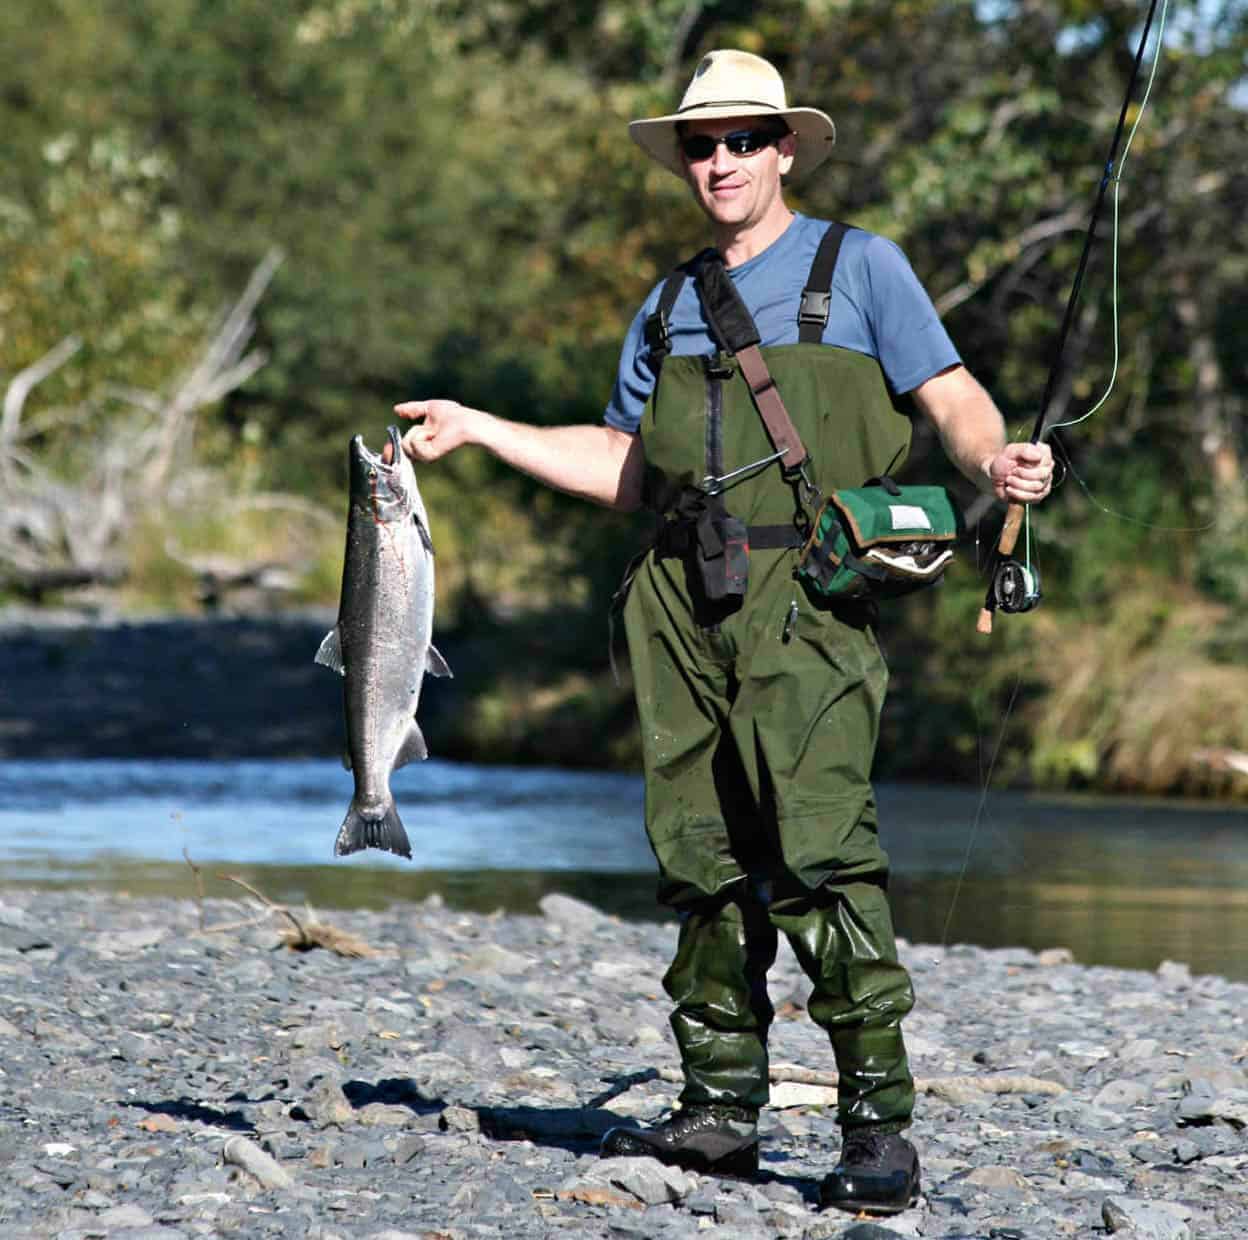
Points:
x=382 y=644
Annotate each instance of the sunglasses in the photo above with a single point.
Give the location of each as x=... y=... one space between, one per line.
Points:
x=741 y=142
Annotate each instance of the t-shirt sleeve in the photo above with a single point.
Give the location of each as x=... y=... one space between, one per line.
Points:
x=634 y=380
x=910 y=340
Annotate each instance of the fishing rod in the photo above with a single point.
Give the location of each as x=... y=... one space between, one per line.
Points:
x=1014 y=585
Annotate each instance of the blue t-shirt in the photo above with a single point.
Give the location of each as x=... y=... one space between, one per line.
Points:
x=878 y=308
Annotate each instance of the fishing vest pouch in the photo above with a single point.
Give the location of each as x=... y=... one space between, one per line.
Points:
x=711 y=541
x=879 y=540
x=722 y=555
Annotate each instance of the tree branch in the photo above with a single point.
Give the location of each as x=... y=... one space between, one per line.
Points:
x=22 y=383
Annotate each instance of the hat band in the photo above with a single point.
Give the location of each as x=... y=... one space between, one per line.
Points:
x=729 y=103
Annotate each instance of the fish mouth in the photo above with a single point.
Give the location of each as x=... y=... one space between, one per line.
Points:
x=396 y=444
x=375 y=459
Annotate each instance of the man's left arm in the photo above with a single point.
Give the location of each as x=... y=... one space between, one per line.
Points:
x=972 y=433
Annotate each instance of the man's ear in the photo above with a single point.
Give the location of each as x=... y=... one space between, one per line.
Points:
x=787 y=150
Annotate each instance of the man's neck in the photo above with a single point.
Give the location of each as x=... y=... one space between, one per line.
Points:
x=739 y=245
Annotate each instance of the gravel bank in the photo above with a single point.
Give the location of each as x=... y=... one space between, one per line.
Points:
x=162 y=1081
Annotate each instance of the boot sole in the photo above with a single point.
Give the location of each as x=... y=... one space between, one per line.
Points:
x=868 y=1207
x=740 y=1164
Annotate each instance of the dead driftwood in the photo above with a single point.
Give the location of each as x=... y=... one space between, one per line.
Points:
x=220 y=575
x=302 y=936
x=56 y=533
x=256 y=1162
x=822 y=1085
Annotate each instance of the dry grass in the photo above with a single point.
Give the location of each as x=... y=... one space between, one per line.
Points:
x=1139 y=704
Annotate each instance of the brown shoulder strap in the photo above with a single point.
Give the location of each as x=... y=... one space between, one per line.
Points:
x=780 y=428
x=734 y=329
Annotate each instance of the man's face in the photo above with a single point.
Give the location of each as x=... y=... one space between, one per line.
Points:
x=737 y=190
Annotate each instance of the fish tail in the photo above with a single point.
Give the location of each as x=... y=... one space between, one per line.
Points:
x=382 y=830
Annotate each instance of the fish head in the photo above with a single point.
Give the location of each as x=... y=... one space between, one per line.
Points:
x=384 y=488
x=387 y=490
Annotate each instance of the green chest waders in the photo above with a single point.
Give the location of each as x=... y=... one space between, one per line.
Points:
x=759 y=717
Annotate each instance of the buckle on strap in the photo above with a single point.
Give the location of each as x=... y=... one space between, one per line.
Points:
x=814 y=308
x=657 y=335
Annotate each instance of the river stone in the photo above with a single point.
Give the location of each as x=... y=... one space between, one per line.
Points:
x=494 y=959
x=647 y=1179
x=326 y=1105
x=1147 y=1220
x=572 y=914
x=1121 y=1094
x=998 y=1180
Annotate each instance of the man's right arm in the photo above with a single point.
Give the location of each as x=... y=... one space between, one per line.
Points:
x=597 y=463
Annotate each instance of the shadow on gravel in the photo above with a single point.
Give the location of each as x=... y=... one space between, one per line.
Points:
x=576 y=1129
x=183 y=1109
x=580 y=1130
x=392 y=1091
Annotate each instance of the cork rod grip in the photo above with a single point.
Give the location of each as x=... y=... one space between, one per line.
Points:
x=1005 y=546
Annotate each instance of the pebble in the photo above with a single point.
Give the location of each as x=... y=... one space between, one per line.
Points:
x=162 y=1079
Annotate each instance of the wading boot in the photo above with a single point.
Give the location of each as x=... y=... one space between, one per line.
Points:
x=878 y=1173
x=712 y=1139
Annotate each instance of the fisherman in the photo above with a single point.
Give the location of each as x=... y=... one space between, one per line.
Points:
x=759 y=714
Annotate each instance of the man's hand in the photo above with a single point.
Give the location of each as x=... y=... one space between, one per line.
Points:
x=441 y=427
x=1021 y=473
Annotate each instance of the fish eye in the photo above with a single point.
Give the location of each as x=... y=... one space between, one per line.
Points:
x=372 y=474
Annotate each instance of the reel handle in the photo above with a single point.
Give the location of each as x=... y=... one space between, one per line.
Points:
x=1005 y=547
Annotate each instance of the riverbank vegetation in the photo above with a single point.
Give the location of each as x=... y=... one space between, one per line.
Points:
x=233 y=235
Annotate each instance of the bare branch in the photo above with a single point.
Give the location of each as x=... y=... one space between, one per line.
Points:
x=25 y=380
x=1070 y=220
x=218 y=371
x=55 y=535
x=277 y=908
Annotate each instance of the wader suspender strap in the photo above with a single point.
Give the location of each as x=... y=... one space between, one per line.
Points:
x=657 y=331
x=816 y=304
x=658 y=335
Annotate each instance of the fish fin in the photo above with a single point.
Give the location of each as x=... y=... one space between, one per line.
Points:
x=425 y=536
x=435 y=664
x=330 y=652
x=413 y=748
x=384 y=831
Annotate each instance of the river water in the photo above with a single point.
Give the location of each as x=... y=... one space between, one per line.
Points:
x=1122 y=882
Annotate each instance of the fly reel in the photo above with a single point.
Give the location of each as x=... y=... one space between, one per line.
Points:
x=1015 y=587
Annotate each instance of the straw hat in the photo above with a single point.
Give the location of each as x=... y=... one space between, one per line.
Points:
x=731 y=83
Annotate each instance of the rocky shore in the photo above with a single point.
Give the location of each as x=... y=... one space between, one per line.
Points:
x=174 y=1069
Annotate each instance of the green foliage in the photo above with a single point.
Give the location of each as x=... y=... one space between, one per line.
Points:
x=463 y=214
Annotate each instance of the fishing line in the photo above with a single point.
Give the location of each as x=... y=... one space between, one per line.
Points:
x=1122 y=516
x=1116 y=180
x=979 y=809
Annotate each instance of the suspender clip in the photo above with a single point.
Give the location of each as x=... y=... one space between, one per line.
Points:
x=815 y=308
x=658 y=335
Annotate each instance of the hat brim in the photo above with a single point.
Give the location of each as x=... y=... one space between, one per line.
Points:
x=816 y=134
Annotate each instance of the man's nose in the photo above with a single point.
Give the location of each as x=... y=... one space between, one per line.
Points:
x=721 y=159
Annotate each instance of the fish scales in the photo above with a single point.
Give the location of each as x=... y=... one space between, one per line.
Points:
x=382 y=643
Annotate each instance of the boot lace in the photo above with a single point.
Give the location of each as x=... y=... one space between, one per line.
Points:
x=866 y=1149
x=685 y=1123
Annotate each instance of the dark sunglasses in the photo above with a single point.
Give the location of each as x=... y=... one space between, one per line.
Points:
x=741 y=142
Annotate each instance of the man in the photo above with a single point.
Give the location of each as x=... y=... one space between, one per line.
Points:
x=759 y=714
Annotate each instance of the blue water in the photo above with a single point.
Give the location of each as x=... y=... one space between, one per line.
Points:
x=1129 y=882
x=288 y=813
